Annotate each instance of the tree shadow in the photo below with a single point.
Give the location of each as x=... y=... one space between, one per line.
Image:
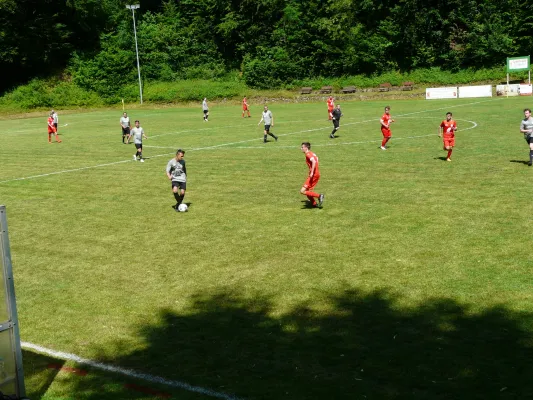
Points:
x=39 y=373
x=366 y=346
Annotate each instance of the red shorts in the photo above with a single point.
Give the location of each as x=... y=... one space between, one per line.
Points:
x=386 y=132
x=51 y=130
x=449 y=141
x=310 y=183
x=244 y=108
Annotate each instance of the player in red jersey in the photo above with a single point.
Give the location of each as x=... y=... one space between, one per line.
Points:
x=331 y=106
x=447 y=132
x=52 y=129
x=245 y=107
x=314 y=176
x=385 y=121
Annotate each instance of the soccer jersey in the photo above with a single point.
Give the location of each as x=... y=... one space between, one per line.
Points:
x=337 y=114
x=267 y=117
x=125 y=121
x=204 y=106
x=527 y=124
x=177 y=170
x=51 y=128
x=137 y=134
x=244 y=104
x=55 y=117
x=448 y=127
x=386 y=120
x=331 y=104
x=309 y=157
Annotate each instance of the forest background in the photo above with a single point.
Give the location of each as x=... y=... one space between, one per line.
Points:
x=82 y=52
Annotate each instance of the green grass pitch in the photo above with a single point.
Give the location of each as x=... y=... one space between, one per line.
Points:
x=413 y=282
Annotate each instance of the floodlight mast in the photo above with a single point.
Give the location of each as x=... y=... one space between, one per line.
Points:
x=134 y=7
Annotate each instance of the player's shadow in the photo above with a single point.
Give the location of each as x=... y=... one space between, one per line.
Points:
x=348 y=344
x=519 y=162
x=307 y=205
x=441 y=158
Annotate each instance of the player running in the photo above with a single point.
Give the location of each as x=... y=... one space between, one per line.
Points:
x=335 y=116
x=331 y=106
x=245 y=107
x=177 y=174
x=314 y=176
x=138 y=135
x=52 y=128
x=269 y=121
x=205 y=108
x=385 y=121
x=125 y=125
x=447 y=131
x=526 y=127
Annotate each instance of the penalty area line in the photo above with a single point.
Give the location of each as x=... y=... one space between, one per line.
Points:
x=126 y=372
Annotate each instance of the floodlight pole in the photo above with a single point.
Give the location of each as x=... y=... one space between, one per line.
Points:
x=133 y=7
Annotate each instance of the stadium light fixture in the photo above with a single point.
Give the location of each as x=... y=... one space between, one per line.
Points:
x=134 y=7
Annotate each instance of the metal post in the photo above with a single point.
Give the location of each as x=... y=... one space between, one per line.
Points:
x=133 y=8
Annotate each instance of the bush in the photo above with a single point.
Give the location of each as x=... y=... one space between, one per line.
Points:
x=272 y=70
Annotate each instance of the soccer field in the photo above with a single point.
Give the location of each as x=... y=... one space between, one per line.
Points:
x=414 y=281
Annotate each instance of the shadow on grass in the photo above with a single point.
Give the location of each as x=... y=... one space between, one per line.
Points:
x=39 y=373
x=519 y=162
x=366 y=347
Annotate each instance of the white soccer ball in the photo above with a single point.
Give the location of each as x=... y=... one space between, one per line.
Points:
x=182 y=207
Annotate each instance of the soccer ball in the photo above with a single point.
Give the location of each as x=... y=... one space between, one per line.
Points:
x=182 y=207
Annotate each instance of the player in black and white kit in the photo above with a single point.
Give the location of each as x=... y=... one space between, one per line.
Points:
x=335 y=116
x=268 y=118
x=125 y=125
x=526 y=127
x=56 y=119
x=138 y=134
x=177 y=174
x=205 y=108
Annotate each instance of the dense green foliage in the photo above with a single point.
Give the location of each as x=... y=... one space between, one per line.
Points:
x=272 y=42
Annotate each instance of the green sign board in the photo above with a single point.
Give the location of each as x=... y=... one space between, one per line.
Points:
x=517 y=64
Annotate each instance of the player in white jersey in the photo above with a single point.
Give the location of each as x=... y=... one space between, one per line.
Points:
x=56 y=119
x=205 y=108
x=177 y=174
x=138 y=135
x=268 y=118
x=526 y=127
x=125 y=125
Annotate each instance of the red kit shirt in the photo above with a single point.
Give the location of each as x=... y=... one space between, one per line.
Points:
x=331 y=104
x=51 y=128
x=448 y=125
x=244 y=104
x=309 y=157
x=386 y=120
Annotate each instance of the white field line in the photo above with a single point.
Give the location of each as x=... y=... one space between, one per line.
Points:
x=126 y=372
x=218 y=146
x=474 y=125
x=240 y=126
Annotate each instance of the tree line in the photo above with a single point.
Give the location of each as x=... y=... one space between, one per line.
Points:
x=270 y=42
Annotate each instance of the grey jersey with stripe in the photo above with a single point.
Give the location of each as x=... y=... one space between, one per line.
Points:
x=527 y=124
x=177 y=170
x=267 y=117
x=137 y=134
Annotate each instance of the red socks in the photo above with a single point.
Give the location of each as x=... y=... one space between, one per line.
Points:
x=384 y=142
x=449 y=153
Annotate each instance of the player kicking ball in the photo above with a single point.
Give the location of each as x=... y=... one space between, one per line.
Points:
x=447 y=132
x=314 y=176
